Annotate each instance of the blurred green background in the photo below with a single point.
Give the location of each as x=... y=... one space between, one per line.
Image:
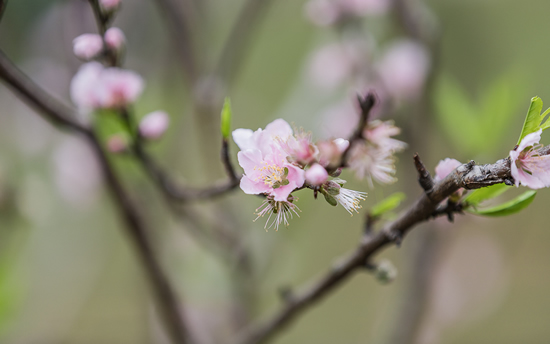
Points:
x=68 y=274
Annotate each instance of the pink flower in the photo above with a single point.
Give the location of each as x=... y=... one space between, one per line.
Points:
x=267 y=170
x=444 y=167
x=316 y=175
x=365 y=7
x=528 y=167
x=322 y=12
x=380 y=134
x=94 y=87
x=372 y=162
x=404 y=68
x=299 y=147
x=117 y=144
x=336 y=63
x=153 y=125
x=109 y=5
x=114 y=38
x=330 y=151
x=87 y=46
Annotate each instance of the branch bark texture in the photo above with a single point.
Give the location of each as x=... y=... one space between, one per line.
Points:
x=468 y=176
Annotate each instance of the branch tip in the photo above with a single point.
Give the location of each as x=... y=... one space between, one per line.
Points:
x=424 y=178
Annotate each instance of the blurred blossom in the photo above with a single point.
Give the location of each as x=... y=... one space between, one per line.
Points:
x=87 y=46
x=77 y=173
x=333 y=64
x=444 y=167
x=114 y=38
x=96 y=87
x=153 y=125
x=109 y=5
x=380 y=133
x=329 y=12
x=316 y=175
x=372 y=163
x=117 y=144
x=330 y=151
x=529 y=168
x=299 y=147
x=403 y=69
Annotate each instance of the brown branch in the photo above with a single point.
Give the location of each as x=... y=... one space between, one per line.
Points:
x=424 y=178
x=468 y=176
x=61 y=115
x=366 y=104
x=50 y=108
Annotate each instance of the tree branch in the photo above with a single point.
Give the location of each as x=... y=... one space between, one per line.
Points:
x=61 y=115
x=50 y=108
x=468 y=176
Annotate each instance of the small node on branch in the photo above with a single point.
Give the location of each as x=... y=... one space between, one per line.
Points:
x=369 y=223
x=424 y=178
x=395 y=237
x=285 y=293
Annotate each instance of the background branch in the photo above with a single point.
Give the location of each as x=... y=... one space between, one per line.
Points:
x=469 y=176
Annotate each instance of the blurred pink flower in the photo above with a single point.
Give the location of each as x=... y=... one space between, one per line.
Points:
x=87 y=46
x=339 y=120
x=95 y=87
x=316 y=175
x=153 y=125
x=380 y=133
x=329 y=12
x=372 y=162
x=267 y=170
x=330 y=151
x=529 y=168
x=117 y=144
x=322 y=12
x=365 y=7
x=109 y=5
x=444 y=167
x=403 y=69
x=114 y=38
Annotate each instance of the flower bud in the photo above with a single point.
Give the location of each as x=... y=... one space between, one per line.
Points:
x=115 y=39
x=332 y=188
x=316 y=175
x=109 y=5
x=87 y=46
x=385 y=272
x=153 y=125
x=117 y=144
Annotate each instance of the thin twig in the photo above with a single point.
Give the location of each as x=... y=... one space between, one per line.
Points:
x=62 y=116
x=50 y=108
x=366 y=104
x=469 y=176
x=424 y=178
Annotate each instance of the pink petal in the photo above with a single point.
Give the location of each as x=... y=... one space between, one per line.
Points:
x=243 y=138
x=444 y=167
x=529 y=140
x=252 y=187
x=249 y=159
x=540 y=172
x=316 y=175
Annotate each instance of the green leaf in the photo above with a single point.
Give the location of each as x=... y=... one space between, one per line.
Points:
x=487 y=193
x=388 y=204
x=226 y=118
x=330 y=200
x=508 y=208
x=533 y=118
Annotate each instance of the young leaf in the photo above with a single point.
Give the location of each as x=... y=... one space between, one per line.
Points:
x=226 y=118
x=484 y=194
x=388 y=204
x=508 y=208
x=533 y=118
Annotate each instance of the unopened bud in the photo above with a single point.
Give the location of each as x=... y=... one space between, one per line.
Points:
x=226 y=118
x=117 y=144
x=153 y=125
x=87 y=46
x=332 y=188
x=330 y=200
x=109 y=5
x=316 y=175
x=385 y=272
x=115 y=39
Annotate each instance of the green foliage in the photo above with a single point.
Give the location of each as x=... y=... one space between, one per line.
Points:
x=476 y=197
x=534 y=118
x=387 y=204
x=109 y=123
x=508 y=208
x=226 y=118
x=471 y=125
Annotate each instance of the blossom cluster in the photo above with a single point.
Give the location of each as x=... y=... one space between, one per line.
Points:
x=97 y=86
x=279 y=160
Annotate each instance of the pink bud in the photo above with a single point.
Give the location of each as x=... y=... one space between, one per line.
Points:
x=404 y=68
x=109 y=5
x=322 y=12
x=114 y=38
x=87 y=46
x=153 y=125
x=444 y=167
x=118 y=88
x=117 y=144
x=316 y=175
